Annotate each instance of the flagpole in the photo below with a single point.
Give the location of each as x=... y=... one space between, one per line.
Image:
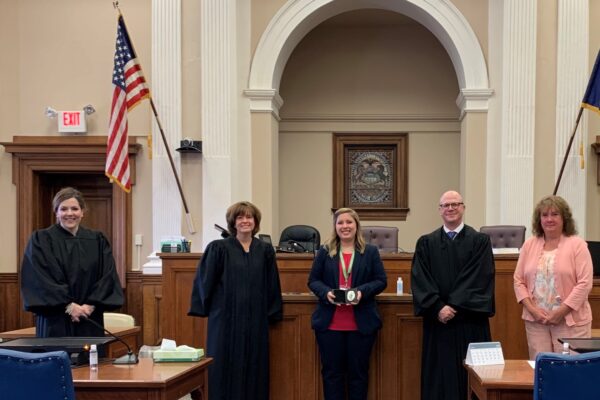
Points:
x=562 y=168
x=188 y=215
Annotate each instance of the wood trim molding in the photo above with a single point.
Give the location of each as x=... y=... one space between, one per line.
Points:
x=35 y=155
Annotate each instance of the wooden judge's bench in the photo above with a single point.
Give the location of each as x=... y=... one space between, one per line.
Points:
x=295 y=366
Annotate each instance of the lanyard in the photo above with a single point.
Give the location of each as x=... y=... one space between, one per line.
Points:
x=346 y=270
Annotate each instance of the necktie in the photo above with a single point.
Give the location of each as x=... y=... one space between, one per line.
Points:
x=451 y=234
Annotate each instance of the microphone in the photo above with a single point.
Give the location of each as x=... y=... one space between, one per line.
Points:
x=298 y=248
x=129 y=358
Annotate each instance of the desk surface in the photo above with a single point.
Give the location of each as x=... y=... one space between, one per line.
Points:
x=511 y=381
x=147 y=380
x=30 y=332
x=514 y=374
x=146 y=373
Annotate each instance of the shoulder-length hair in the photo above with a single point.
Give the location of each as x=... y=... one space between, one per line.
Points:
x=242 y=208
x=333 y=243
x=560 y=205
x=66 y=194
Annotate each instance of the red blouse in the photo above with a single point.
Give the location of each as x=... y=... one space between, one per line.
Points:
x=343 y=318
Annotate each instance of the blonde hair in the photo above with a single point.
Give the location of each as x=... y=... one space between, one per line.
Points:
x=333 y=243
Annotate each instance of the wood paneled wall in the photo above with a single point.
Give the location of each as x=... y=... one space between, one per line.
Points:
x=295 y=367
x=9 y=302
x=160 y=304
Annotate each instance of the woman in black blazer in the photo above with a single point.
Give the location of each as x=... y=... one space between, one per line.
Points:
x=346 y=333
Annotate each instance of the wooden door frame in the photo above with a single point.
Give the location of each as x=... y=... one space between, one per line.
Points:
x=35 y=155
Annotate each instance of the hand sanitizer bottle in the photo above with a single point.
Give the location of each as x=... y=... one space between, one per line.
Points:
x=399 y=286
x=93 y=358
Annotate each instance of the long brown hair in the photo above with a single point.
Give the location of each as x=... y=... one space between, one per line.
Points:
x=333 y=243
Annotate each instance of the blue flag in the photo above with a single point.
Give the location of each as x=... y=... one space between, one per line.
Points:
x=591 y=99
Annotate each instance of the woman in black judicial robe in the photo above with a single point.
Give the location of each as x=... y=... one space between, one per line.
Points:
x=237 y=288
x=68 y=273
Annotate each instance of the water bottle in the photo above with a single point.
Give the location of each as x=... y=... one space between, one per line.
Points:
x=93 y=358
x=565 y=349
x=399 y=286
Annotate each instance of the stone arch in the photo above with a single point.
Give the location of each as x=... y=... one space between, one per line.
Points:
x=296 y=18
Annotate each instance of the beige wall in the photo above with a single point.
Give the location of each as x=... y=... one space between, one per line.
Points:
x=9 y=123
x=306 y=175
x=369 y=71
x=366 y=79
x=394 y=78
x=593 y=197
x=59 y=54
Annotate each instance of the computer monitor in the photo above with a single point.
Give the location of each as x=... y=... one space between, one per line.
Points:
x=76 y=347
x=582 y=345
x=594 y=248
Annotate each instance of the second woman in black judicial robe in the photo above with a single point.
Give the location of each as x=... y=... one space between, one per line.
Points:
x=240 y=293
x=60 y=268
x=459 y=273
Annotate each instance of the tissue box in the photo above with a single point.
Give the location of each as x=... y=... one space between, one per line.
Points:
x=178 y=355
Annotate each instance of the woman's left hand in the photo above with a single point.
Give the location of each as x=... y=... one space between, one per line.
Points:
x=358 y=297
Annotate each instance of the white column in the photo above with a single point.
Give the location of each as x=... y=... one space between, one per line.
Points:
x=219 y=99
x=571 y=81
x=518 y=111
x=166 y=92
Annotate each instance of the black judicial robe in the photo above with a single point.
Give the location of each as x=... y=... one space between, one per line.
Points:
x=59 y=268
x=240 y=294
x=459 y=273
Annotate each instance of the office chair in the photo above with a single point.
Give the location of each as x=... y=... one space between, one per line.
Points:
x=299 y=239
x=27 y=376
x=505 y=236
x=384 y=237
x=560 y=377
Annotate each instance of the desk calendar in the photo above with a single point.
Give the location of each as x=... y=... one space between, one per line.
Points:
x=486 y=353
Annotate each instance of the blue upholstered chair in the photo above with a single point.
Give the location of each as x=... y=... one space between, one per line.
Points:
x=567 y=377
x=26 y=376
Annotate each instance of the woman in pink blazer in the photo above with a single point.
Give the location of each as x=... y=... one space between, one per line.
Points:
x=553 y=279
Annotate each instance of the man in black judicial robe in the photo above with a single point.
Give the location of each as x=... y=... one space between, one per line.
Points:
x=452 y=281
x=240 y=294
x=60 y=268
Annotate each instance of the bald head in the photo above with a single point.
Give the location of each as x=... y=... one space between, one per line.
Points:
x=452 y=209
x=451 y=194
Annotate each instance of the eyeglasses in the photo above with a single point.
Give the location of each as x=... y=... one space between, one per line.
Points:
x=451 y=205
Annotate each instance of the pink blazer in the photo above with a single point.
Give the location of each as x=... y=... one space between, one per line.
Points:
x=573 y=276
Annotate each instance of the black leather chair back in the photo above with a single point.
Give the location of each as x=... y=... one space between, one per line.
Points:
x=299 y=238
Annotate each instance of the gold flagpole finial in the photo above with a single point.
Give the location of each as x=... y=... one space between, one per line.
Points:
x=116 y=5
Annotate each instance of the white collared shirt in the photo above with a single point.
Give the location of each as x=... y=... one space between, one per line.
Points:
x=457 y=230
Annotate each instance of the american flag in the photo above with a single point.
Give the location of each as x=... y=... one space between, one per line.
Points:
x=129 y=90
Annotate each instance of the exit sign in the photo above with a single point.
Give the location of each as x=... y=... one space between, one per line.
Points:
x=71 y=121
